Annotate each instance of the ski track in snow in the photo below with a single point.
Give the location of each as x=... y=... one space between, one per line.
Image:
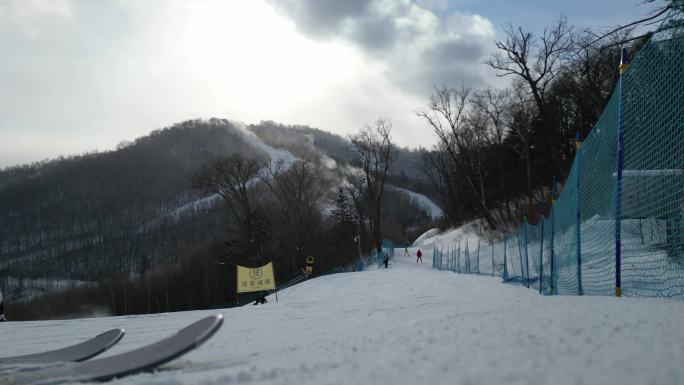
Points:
x=275 y=155
x=409 y=324
x=422 y=201
x=287 y=158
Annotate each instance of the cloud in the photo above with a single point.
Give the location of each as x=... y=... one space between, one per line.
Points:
x=31 y=17
x=79 y=75
x=325 y=17
x=420 y=48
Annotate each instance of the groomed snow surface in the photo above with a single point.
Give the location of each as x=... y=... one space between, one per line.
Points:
x=408 y=324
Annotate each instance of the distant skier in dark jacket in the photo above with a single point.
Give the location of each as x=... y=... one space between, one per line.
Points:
x=419 y=256
x=260 y=301
x=386 y=260
x=2 y=311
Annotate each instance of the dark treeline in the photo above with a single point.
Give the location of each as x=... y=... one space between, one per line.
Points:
x=499 y=148
x=160 y=223
x=91 y=216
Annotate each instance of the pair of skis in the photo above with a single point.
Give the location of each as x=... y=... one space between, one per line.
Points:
x=69 y=364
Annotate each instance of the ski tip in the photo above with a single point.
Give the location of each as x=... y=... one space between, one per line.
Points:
x=208 y=324
x=116 y=336
x=216 y=322
x=107 y=340
x=113 y=334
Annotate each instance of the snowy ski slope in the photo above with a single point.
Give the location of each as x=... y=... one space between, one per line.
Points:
x=422 y=201
x=409 y=324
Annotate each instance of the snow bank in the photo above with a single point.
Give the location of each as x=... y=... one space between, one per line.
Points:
x=466 y=235
x=426 y=237
x=422 y=201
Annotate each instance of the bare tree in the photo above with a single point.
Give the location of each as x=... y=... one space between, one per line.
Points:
x=299 y=189
x=493 y=103
x=519 y=118
x=439 y=170
x=657 y=15
x=447 y=117
x=355 y=190
x=593 y=71
x=232 y=178
x=491 y=107
x=372 y=146
x=476 y=142
x=537 y=61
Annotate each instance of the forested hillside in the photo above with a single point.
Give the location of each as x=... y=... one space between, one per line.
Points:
x=135 y=226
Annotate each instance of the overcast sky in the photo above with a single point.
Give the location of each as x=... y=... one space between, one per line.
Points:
x=84 y=75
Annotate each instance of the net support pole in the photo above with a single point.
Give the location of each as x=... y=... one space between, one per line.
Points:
x=578 y=223
x=434 y=257
x=450 y=258
x=458 y=261
x=493 y=267
x=553 y=234
x=618 y=182
x=504 y=273
x=478 y=257
x=465 y=258
x=466 y=254
x=520 y=257
x=541 y=249
x=441 y=256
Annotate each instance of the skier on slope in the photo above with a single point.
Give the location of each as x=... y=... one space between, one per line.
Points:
x=419 y=256
x=2 y=312
x=386 y=260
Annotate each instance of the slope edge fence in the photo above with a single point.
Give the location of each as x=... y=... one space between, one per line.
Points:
x=617 y=227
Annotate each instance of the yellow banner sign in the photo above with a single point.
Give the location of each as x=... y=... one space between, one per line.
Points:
x=309 y=265
x=255 y=279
